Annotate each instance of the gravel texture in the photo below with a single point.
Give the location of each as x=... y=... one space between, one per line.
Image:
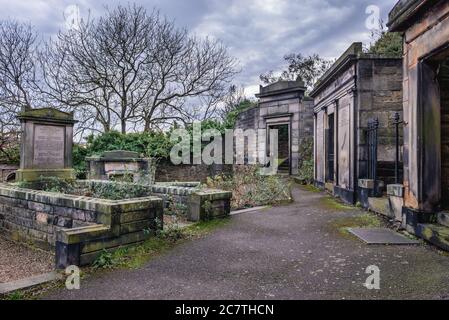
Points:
x=18 y=261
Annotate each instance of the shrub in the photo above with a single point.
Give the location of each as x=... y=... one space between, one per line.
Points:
x=117 y=191
x=250 y=189
x=50 y=184
x=306 y=163
x=10 y=155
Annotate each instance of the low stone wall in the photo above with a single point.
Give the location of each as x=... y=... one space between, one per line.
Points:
x=199 y=204
x=35 y=217
x=77 y=228
x=168 y=172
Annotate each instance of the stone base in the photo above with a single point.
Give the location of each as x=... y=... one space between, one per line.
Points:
x=30 y=175
x=381 y=206
x=412 y=218
x=347 y=196
x=365 y=191
x=319 y=184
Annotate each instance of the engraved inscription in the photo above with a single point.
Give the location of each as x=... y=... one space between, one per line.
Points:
x=49 y=147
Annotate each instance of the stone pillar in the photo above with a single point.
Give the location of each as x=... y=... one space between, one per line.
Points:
x=46 y=144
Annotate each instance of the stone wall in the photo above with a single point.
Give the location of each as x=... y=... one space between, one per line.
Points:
x=190 y=195
x=7 y=172
x=38 y=221
x=77 y=228
x=425 y=44
x=168 y=172
x=380 y=97
x=358 y=88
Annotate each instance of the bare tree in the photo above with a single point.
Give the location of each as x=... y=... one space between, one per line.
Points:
x=232 y=101
x=131 y=68
x=17 y=80
x=307 y=68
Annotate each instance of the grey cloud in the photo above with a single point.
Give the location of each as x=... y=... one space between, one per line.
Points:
x=258 y=32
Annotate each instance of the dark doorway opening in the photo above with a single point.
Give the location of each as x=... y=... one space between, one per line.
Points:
x=443 y=81
x=330 y=149
x=434 y=111
x=283 y=147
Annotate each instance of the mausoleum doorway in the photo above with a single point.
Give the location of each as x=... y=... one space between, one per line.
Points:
x=284 y=159
x=434 y=96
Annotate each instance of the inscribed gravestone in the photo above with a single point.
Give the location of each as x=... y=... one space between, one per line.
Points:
x=46 y=144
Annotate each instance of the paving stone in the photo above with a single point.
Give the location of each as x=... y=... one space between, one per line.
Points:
x=381 y=236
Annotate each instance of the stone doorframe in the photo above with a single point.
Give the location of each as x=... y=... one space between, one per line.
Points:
x=279 y=121
x=428 y=131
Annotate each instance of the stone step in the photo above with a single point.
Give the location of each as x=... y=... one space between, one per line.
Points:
x=381 y=206
x=443 y=218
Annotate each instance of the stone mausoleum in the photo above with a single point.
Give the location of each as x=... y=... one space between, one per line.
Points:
x=358 y=89
x=425 y=28
x=281 y=106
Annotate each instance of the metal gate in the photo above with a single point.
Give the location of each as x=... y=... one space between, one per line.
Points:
x=372 y=134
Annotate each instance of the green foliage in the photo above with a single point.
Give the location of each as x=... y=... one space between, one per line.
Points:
x=117 y=191
x=150 y=144
x=306 y=163
x=250 y=189
x=80 y=152
x=171 y=233
x=108 y=190
x=309 y=69
x=175 y=207
x=50 y=184
x=388 y=43
x=231 y=116
x=155 y=145
x=10 y=155
x=106 y=260
x=16 y=295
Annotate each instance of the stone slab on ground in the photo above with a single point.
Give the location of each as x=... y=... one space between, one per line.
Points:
x=233 y=213
x=381 y=236
x=28 y=282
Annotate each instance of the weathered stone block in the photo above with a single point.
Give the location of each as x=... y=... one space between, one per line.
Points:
x=366 y=183
x=396 y=190
x=63 y=222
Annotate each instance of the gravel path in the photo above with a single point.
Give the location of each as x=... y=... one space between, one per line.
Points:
x=18 y=261
x=297 y=251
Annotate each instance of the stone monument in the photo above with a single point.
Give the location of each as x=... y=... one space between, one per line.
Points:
x=46 y=144
x=120 y=165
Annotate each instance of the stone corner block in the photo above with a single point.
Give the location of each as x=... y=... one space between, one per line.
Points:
x=366 y=183
x=395 y=190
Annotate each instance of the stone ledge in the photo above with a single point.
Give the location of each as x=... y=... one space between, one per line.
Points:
x=101 y=206
x=34 y=174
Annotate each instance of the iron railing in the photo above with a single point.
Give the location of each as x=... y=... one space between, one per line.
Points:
x=397 y=122
x=372 y=135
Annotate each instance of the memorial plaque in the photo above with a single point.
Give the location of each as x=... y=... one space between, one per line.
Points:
x=121 y=166
x=49 y=146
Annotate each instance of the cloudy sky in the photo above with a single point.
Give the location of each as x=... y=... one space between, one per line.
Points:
x=258 y=32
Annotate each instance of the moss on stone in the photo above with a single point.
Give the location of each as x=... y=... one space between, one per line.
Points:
x=310 y=188
x=366 y=220
x=331 y=203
